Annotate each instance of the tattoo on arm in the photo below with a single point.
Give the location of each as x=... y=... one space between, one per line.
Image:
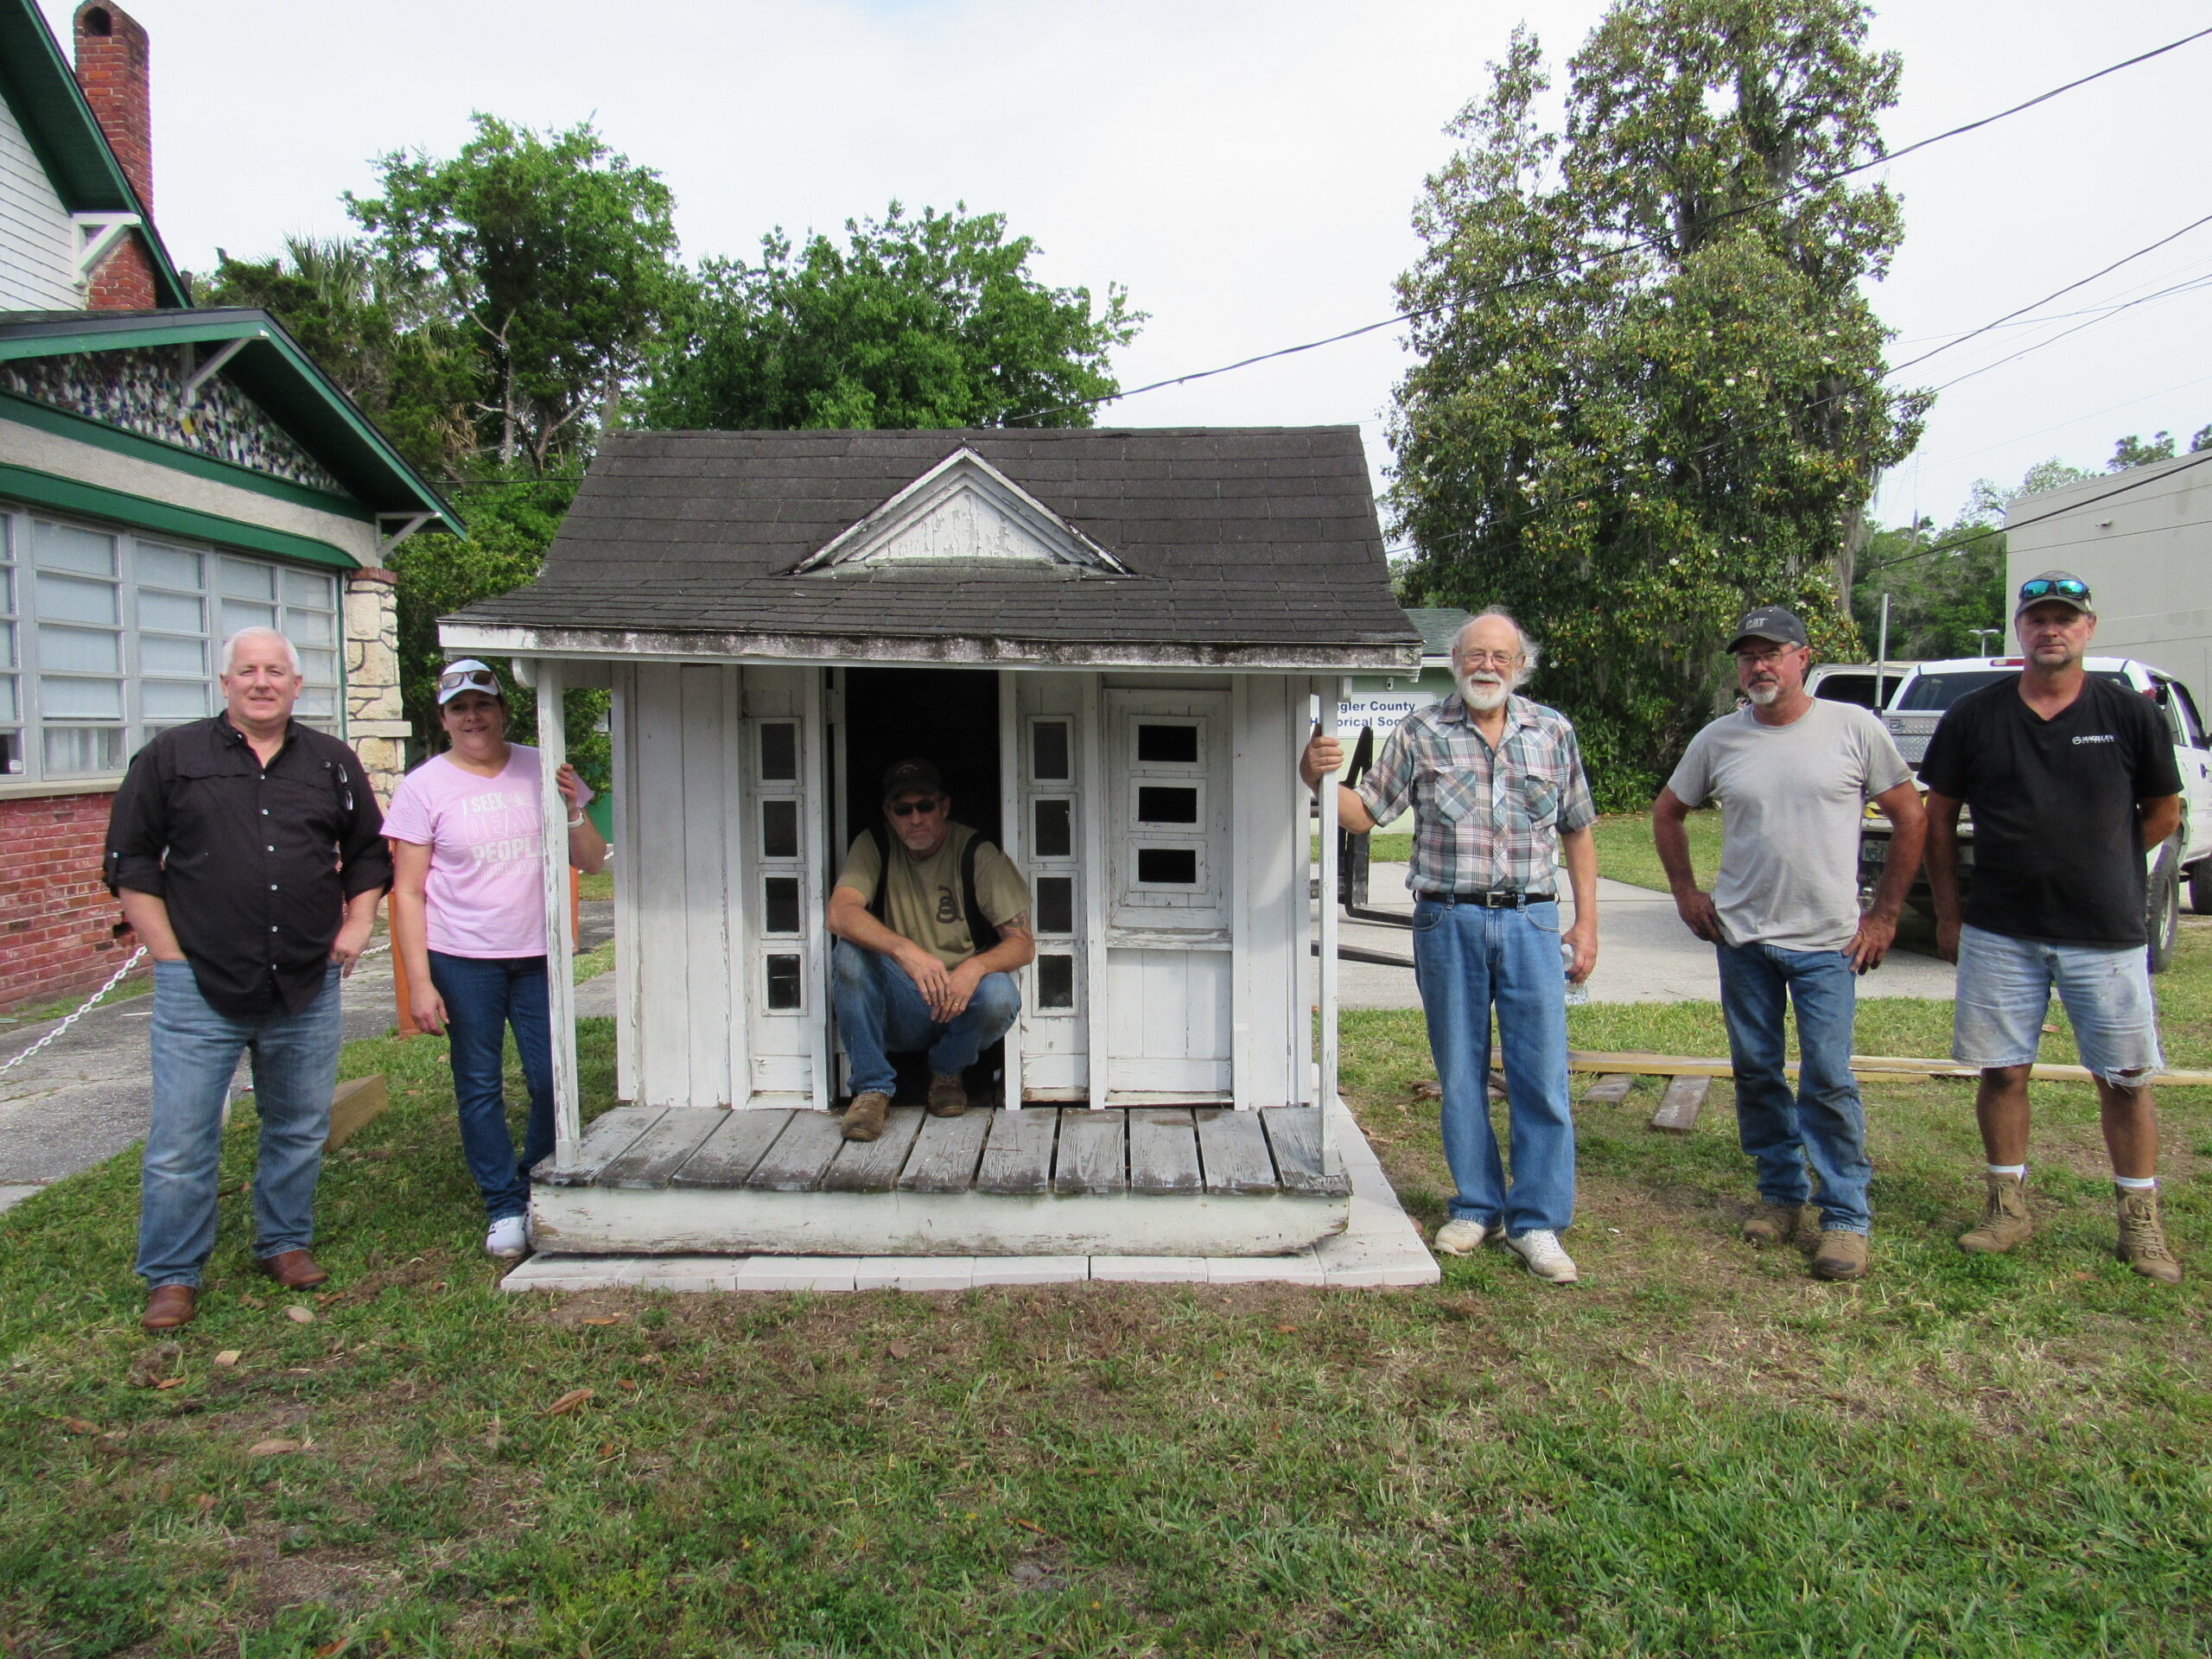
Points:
x=1018 y=924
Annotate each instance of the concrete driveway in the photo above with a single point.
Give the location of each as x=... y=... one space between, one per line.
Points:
x=1644 y=954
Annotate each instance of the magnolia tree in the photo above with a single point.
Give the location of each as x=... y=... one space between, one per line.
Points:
x=1649 y=390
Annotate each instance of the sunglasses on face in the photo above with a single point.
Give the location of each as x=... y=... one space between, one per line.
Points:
x=2044 y=588
x=907 y=809
x=473 y=679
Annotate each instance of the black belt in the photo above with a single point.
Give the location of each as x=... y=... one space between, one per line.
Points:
x=1487 y=899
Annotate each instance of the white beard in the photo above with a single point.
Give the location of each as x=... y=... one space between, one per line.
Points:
x=1483 y=695
x=1763 y=696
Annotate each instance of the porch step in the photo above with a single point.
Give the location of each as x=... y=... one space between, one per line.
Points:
x=1073 y=1151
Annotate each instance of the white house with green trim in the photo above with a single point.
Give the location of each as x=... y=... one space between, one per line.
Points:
x=166 y=476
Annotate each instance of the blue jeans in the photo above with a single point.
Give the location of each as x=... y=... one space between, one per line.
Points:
x=483 y=996
x=1822 y=1123
x=195 y=1052
x=1466 y=958
x=881 y=1012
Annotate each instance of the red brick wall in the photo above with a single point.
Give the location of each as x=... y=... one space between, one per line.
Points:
x=57 y=922
x=124 y=281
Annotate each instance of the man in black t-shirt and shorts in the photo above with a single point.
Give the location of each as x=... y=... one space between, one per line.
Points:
x=2071 y=779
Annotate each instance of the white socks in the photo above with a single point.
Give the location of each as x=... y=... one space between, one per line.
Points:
x=2020 y=1170
x=2135 y=1183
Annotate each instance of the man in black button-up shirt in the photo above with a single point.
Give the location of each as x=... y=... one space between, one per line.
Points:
x=247 y=853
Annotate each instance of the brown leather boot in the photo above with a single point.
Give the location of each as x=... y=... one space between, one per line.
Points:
x=2142 y=1238
x=948 y=1096
x=2004 y=1221
x=864 y=1117
x=1842 y=1255
x=294 y=1269
x=169 y=1306
x=1773 y=1224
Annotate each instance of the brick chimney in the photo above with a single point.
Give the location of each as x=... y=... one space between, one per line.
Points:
x=111 y=67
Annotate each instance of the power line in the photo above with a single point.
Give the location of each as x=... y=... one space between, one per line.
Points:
x=1641 y=246
x=2065 y=334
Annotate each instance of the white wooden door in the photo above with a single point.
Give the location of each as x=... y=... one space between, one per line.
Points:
x=783 y=859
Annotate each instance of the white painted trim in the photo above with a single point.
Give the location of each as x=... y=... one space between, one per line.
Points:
x=628 y=942
x=816 y=875
x=742 y=810
x=1330 y=1157
x=964 y=472
x=560 y=938
x=202 y=373
x=1243 y=930
x=97 y=235
x=1093 y=879
x=940 y=651
x=1010 y=829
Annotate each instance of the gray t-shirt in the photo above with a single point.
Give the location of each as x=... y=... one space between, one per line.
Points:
x=1791 y=801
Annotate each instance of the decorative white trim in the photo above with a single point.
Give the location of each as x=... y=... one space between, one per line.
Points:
x=963 y=509
x=97 y=235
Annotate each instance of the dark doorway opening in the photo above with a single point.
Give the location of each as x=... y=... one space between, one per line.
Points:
x=948 y=717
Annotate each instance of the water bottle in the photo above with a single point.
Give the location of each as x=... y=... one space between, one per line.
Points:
x=1576 y=995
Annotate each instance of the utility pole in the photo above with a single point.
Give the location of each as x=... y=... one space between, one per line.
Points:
x=1979 y=634
x=1882 y=663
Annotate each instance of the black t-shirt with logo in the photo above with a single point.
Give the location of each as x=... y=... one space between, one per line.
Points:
x=2057 y=855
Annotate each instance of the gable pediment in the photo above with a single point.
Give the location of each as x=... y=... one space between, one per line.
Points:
x=963 y=511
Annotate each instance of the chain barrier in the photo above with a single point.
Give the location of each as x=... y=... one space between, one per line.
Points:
x=114 y=980
x=83 y=1009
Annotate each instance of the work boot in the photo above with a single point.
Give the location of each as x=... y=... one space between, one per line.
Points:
x=864 y=1117
x=948 y=1096
x=1842 y=1255
x=2142 y=1239
x=1773 y=1224
x=2004 y=1221
x=169 y=1306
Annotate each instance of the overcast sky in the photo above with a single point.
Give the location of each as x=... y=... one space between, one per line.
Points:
x=1245 y=169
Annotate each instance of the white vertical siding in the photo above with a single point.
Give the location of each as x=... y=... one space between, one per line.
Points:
x=681 y=726
x=1269 y=921
x=37 y=240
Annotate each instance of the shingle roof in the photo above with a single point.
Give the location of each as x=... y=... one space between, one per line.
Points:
x=1243 y=545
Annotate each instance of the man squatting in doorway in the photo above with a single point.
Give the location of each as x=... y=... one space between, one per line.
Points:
x=911 y=911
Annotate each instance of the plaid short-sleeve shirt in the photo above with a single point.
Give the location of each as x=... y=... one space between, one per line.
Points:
x=1483 y=820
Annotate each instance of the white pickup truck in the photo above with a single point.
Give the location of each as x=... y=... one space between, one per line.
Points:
x=2184 y=858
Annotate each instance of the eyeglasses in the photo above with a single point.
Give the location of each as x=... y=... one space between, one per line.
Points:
x=2045 y=587
x=1504 y=659
x=907 y=809
x=1763 y=658
x=471 y=679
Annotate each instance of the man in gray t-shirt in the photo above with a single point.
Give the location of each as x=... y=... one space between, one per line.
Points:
x=1793 y=775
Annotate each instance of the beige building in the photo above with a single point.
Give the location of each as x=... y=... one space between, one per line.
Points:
x=2142 y=540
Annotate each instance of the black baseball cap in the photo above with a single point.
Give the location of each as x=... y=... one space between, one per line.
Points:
x=1769 y=622
x=2059 y=587
x=910 y=775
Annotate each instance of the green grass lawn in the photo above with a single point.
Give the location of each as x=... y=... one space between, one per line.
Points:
x=1626 y=854
x=1699 y=1450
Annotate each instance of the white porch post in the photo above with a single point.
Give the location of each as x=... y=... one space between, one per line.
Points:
x=549 y=680
x=1014 y=846
x=1331 y=692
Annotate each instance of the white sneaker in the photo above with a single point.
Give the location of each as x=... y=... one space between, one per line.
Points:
x=508 y=1239
x=1538 y=1248
x=1464 y=1237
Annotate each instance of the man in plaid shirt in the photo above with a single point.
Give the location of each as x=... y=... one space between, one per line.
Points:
x=1496 y=785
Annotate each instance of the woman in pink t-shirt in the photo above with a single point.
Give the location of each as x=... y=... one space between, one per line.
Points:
x=468 y=920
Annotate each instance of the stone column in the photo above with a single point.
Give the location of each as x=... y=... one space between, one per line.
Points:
x=376 y=723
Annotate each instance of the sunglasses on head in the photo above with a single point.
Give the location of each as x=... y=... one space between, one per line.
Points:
x=907 y=809
x=473 y=679
x=2044 y=588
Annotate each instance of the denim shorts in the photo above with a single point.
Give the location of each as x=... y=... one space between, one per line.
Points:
x=2004 y=993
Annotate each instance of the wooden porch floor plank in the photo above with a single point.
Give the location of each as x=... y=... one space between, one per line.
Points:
x=873 y=1166
x=728 y=1156
x=1679 y=1105
x=1295 y=1137
x=1163 y=1151
x=1093 y=1152
x=795 y=1160
x=1018 y=1158
x=606 y=1137
x=944 y=1154
x=646 y=1164
x=1610 y=1090
x=1233 y=1151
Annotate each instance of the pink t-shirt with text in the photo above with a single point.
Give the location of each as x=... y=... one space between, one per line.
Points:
x=486 y=892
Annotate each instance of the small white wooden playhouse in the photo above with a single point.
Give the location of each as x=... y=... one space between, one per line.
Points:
x=1113 y=643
